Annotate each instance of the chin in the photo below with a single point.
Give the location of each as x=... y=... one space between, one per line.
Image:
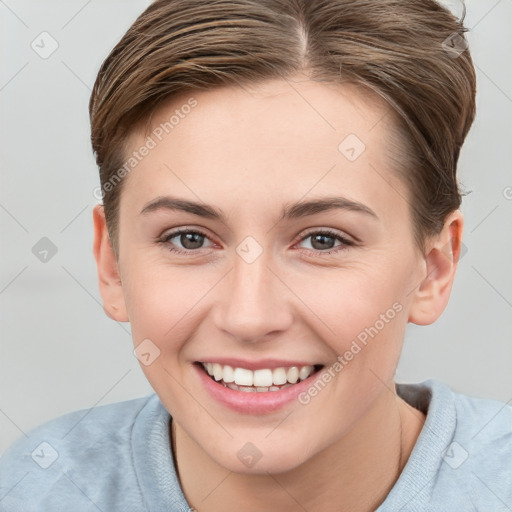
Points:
x=260 y=458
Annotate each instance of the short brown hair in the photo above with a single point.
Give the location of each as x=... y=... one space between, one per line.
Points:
x=412 y=53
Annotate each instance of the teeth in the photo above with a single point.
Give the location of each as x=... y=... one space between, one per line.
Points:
x=229 y=374
x=247 y=389
x=293 y=375
x=242 y=379
x=279 y=376
x=252 y=389
x=263 y=378
x=218 y=372
x=305 y=372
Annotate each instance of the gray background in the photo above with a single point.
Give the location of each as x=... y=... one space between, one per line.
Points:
x=58 y=350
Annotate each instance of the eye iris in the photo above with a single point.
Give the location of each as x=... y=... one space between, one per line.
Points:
x=323 y=244
x=194 y=238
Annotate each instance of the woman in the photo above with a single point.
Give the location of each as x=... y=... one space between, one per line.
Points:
x=279 y=201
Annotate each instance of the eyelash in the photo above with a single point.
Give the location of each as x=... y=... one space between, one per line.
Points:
x=345 y=243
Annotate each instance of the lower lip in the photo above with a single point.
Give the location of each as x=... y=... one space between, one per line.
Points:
x=252 y=402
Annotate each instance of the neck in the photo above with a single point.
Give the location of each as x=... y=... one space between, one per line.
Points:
x=354 y=474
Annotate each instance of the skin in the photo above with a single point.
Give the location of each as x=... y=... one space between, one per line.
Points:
x=249 y=152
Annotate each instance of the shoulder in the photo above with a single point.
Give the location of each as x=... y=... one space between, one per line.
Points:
x=462 y=459
x=469 y=419
x=484 y=424
x=70 y=457
x=477 y=459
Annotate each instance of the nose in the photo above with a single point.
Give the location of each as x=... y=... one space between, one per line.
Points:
x=253 y=305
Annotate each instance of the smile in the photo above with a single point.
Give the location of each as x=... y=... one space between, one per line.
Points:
x=261 y=380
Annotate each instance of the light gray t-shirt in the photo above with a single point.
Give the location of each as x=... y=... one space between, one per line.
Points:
x=117 y=458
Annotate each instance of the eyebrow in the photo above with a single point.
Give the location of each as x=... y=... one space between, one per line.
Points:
x=290 y=211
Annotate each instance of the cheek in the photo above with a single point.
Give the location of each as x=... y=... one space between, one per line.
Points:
x=161 y=300
x=361 y=315
x=353 y=303
x=162 y=305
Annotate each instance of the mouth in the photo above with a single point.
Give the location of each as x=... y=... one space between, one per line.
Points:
x=261 y=380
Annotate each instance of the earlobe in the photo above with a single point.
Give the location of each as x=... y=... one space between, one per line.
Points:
x=109 y=279
x=440 y=264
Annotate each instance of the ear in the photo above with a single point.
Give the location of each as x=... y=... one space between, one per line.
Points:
x=440 y=263
x=108 y=271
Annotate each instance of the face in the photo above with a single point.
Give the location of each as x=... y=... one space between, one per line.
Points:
x=261 y=241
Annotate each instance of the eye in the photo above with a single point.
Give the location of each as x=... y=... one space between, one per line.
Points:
x=190 y=240
x=322 y=242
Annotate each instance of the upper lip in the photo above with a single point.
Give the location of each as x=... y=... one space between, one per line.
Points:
x=259 y=364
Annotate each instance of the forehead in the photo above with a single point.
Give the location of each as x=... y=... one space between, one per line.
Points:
x=275 y=139
x=293 y=109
